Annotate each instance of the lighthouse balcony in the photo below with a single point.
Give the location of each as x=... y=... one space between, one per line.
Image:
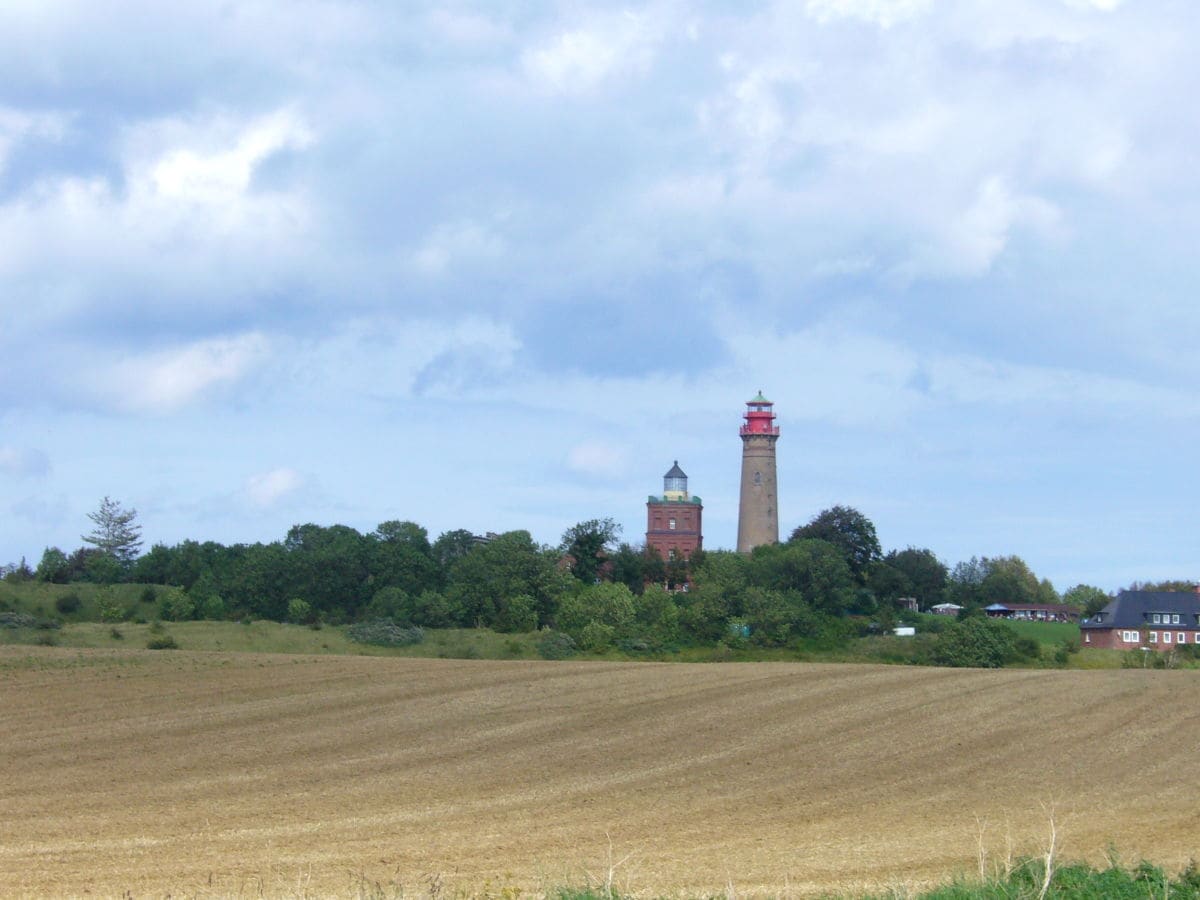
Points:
x=759 y=429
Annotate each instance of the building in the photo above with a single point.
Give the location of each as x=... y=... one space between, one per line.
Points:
x=758 y=506
x=1033 y=612
x=945 y=609
x=1158 y=620
x=673 y=521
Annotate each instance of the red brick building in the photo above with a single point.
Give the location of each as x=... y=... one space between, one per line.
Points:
x=1158 y=620
x=673 y=521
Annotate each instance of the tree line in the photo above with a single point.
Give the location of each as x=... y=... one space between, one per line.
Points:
x=827 y=582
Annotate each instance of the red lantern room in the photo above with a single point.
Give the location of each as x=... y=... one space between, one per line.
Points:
x=760 y=417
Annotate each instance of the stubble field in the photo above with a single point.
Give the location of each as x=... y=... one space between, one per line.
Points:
x=216 y=774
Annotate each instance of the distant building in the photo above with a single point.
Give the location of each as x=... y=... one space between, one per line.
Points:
x=1158 y=620
x=945 y=609
x=1033 y=612
x=758 y=505
x=673 y=521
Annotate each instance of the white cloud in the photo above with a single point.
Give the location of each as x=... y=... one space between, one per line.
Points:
x=598 y=459
x=884 y=13
x=267 y=489
x=449 y=246
x=167 y=380
x=579 y=60
x=17 y=125
x=23 y=462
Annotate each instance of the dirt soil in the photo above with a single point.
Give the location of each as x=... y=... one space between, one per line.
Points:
x=210 y=774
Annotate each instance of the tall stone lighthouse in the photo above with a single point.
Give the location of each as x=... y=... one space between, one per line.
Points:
x=758 y=508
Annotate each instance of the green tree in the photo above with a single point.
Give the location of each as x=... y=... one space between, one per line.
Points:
x=1090 y=600
x=450 y=547
x=54 y=568
x=610 y=605
x=589 y=544
x=510 y=565
x=815 y=568
x=976 y=642
x=850 y=531
x=925 y=574
x=116 y=533
x=399 y=555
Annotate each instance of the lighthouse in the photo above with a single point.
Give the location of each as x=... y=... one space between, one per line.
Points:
x=758 y=506
x=673 y=520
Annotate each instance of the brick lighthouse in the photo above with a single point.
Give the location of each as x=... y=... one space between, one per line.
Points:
x=673 y=520
x=758 y=507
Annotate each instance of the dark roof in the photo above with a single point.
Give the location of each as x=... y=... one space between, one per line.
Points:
x=1132 y=609
x=675 y=472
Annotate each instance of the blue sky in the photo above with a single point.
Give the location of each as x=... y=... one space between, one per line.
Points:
x=495 y=266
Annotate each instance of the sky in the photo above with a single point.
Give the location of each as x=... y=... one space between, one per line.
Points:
x=497 y=265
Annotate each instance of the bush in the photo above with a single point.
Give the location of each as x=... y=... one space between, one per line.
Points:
x=68 y=604
x=148 y=595
x=46 y=639
x=299 y=611
x=17 y=620
x=555 y=645
x=975 y=642
x=385 y=633
x=164 y=642
x=596 y=636
x=117 y=634
x=177 y=606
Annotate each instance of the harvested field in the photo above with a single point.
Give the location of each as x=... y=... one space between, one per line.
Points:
x=238 y=774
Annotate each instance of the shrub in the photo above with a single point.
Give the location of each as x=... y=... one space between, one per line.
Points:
x=163 y=642
x=117 y=634
x=596 y=636
x=177 y=606
x=385 y=633
x=299 y=611
x=68 y=604
x=975 y=642
x=17 y=620
x=46 y=639
x=148 y=595
x=555 y=645
x=108 y=607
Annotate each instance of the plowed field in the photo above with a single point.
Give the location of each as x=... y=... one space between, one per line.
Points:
x=223 y=774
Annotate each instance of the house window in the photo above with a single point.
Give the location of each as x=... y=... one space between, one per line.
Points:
x=1087 y=638
x=671 y=554
x=1154 y=637
x=671 y=524
x=1156 y=619
x=1174 y=618
x=1166 y=637
x=1181 y=638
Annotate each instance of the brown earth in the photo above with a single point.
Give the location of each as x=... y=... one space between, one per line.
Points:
x=236 y=774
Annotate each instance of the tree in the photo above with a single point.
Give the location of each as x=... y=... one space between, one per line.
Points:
x=975 y=642
x=54 y=567
x=848 y=530
x=813 y=567
x=923 y=571
x=1088 y=598
x=117 y=532
x=589 y=544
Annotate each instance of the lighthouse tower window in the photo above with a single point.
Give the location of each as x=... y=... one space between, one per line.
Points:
x=758 y=477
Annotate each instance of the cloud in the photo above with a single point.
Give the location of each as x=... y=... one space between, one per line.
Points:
x=24 y=463
x=267 y=489
x=598 y=459
x=884 y=13
x=579 y=60
x=165 y=381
